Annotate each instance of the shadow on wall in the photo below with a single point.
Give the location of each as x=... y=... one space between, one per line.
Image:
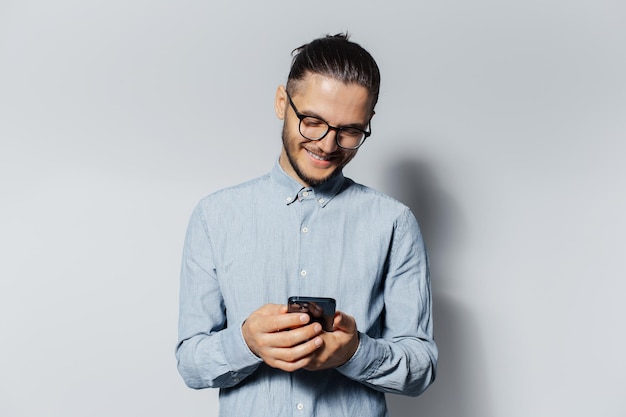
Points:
x=460 y=387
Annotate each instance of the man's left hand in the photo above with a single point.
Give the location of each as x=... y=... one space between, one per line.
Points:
x=338 y=346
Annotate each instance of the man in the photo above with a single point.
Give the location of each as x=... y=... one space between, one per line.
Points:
x=306 y=230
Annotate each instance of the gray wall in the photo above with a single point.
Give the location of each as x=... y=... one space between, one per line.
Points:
x=501 y=124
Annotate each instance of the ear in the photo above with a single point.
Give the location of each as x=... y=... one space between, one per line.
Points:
x=280 y=102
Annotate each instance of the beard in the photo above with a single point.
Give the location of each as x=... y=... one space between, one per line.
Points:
x=299 y=172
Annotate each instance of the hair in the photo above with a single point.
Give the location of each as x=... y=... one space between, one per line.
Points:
x=335 y=56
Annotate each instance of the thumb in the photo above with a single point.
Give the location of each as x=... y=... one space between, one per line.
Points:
x=344 y=322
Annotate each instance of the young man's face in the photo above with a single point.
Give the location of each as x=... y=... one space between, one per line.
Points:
x=314 y=162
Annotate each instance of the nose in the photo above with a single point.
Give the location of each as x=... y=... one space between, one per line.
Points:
x=328 y=143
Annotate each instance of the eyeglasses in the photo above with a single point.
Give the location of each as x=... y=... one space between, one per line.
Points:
x=314 y=128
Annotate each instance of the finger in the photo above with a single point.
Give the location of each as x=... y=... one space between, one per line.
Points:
x=305 y=362
x=274 y=318
x=281 y=322
x=264 y=343
x=344 y=322
x=299 y=355
x=300 y=335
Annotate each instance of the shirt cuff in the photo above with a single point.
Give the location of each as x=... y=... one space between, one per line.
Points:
x=366 y=360
x=236 y=351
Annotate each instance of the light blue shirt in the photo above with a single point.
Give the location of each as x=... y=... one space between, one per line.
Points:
x=270 y=238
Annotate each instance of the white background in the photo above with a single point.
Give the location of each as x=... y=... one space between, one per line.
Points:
x=502 y=124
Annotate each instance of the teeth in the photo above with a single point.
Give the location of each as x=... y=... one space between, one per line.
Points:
x=319 y=158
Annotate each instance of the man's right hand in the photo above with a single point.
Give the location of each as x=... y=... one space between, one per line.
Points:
x=289 y=350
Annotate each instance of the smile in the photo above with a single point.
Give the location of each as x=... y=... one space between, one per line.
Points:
x=319 y=158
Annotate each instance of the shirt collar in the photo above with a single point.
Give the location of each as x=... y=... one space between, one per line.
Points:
x=291 y=190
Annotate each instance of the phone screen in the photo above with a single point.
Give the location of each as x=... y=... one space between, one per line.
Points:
x=320 y=309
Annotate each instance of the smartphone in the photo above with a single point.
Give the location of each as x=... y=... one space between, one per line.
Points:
x=320 y=309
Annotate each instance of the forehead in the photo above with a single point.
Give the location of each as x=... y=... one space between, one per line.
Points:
x=332 y=99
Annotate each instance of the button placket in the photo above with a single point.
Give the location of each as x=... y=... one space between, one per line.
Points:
x=306 y=209
x=304 y=231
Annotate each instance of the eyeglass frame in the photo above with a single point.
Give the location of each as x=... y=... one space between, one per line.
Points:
x=300 y=116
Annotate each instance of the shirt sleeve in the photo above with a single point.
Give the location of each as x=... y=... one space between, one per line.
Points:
x=209 y=353
x=404 y=359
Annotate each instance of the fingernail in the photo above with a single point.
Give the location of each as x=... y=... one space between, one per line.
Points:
x=317 y=327
x=318 y=342
x=304 y=318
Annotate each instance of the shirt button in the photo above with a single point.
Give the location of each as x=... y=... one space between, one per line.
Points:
x=321 y=201
x=303 y=272
x=300 y=406
x=305 y=194
x=305 y=229
x=288 y=198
